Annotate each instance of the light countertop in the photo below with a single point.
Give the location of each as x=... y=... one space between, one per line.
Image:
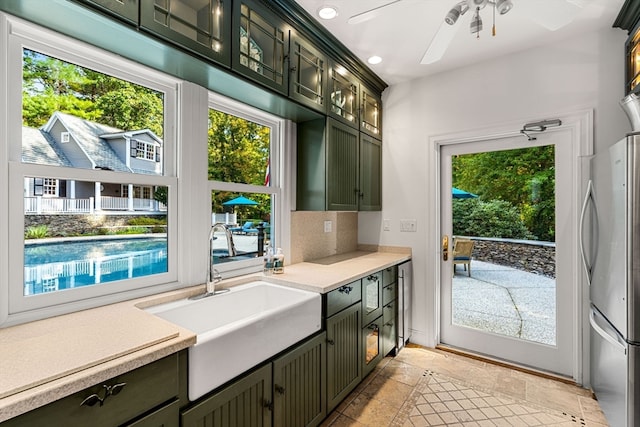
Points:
x=49 y=359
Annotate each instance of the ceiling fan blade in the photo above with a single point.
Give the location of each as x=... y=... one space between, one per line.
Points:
x=439 y=43
x=553 y=14
x=369 y=14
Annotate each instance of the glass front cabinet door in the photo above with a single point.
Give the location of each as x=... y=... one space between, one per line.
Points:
x=308 y=73
x=343 y=95
x=260 y=45
x=198 y=25
x=371 y=113
x=371 y=297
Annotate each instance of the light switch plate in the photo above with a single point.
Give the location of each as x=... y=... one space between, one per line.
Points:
x=408 y=225
x=386 y=224
x=328 y=226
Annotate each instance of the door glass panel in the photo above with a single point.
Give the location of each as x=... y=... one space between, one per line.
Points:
x=309 y=69
x=372 y=341
x=198 y=20
x=370 y=114
x=372 y=298
x=344 y=95
x=503 y=208
x=261 y=46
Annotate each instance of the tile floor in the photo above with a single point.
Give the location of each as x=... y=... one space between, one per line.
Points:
x=428 y=387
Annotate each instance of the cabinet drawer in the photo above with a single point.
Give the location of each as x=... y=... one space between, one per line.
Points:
x=343 y=297
x=145 y=388
x=389 y=293
x=389 y=275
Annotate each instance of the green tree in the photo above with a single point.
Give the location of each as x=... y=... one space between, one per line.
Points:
x=495 y=218
x=238 y=152
x=51 y=85
x=524 y=177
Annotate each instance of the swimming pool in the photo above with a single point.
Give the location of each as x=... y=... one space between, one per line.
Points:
x=50 y=267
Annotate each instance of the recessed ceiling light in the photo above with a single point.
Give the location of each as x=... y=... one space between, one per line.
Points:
x=327 y=12
x=375 y=59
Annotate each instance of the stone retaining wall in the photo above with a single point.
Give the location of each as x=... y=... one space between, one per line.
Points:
x=74 y=225
x=531 y=257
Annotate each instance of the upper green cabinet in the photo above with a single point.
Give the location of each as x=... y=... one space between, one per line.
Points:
x=343 y=95
x=260 y=45
x=339 y=168
x=125 y=9
x=370 y=112
x=201 y=26
x=308 y=73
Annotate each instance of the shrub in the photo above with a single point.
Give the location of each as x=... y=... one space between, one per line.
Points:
x=495 y=218
x=132 y=230
x=36 y=232
x=145 y=220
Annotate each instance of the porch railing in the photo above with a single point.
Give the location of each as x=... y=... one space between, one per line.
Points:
x=58 y=205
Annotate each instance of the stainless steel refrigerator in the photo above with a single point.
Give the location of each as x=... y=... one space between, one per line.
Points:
x=610 y=231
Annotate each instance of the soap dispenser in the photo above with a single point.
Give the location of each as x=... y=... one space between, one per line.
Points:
x=278 y=262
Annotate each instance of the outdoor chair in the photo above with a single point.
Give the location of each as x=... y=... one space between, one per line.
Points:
x=462 y=250
x=247 y=226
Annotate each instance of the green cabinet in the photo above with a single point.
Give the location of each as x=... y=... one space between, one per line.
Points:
x=389 y=329
x=200 y=26
x=245 y=403
x=260 y=45
x=339 y=168
x=308 y=68
x=299 y=385
x=371 y=346
x=343 y=354
x=289 y=391
x=147 y=396
x=124 y=9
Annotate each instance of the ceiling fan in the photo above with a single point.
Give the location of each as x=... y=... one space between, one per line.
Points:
x=550 y=14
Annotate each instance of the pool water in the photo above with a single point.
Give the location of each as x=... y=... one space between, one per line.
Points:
x=50 y=267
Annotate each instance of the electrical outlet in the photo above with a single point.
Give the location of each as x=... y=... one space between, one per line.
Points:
x=408 y=225
x=328 y=225
x=386 y=224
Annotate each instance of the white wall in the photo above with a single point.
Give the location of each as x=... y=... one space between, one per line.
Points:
x=585 y=72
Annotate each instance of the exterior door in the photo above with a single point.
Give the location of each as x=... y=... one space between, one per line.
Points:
x=507 y=311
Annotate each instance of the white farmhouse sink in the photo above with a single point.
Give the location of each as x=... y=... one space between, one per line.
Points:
x=241 y=328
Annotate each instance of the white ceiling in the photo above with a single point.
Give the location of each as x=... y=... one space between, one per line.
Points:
x=403 y=31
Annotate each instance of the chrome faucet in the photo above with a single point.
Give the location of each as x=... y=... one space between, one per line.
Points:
x=213 y=275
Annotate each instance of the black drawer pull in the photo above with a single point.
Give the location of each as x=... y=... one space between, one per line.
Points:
x=346 y=289
x=330 y=341
x=279 y=389
x=109 y=390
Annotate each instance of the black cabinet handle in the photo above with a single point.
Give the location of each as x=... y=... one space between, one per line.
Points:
x=268 y=404
x=279 y=389
x=346 y=289
x=109 y=390
x=330 y=341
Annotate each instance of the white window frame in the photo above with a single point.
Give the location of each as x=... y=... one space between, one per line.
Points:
x=16 y=34
x=64 y=137
x=279 y=147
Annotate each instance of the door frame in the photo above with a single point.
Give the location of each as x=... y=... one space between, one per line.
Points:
x=580 y=123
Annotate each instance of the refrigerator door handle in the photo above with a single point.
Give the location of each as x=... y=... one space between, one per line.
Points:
x=588 y=198
x=612 y=340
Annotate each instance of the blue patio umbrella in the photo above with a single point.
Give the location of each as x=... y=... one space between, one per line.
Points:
x=461 y=194
x=240 y=201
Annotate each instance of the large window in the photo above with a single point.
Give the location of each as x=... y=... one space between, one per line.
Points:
x=244 y=161
x=92 y=173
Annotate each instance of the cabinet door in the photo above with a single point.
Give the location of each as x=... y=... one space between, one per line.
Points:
x=389 y=328
x=126 y=9
x=299 y=384
x=371 y=346
x=260 y=45
x=343 y=354
x=201 y=26
x=342 y=167
x=370 y=173
x=371 y=112
x=371 y=297
x=245 y=403
x=343 y=95
x=308 y=73
x=167 y=416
